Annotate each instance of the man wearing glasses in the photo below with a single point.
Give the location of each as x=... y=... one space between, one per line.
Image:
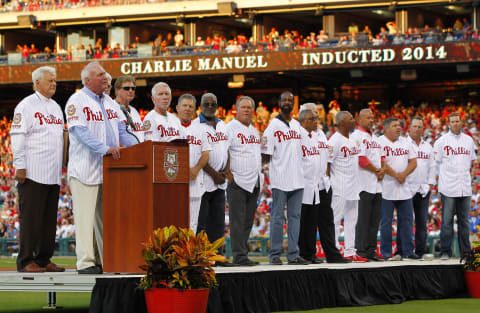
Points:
x=125 y=93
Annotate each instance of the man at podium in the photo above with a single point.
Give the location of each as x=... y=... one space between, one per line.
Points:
x=159 y=124
x=199 y=151
x=95 y=130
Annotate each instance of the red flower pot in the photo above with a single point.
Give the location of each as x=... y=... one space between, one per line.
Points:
x=176 y=301
x=472 y=280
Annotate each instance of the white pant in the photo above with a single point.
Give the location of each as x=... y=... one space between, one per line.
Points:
x=194 y=212
x=348 y=210
x=88 y=213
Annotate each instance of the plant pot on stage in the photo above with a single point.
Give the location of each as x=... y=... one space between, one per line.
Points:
x=179 y=270
x=176 y=300
x=472 y=270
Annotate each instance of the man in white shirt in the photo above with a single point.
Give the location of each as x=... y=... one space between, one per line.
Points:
x=371 y=173
x=37 y=145
x=420 y=182
x=343 y=171
x=125 y=93
x=400 y=159
x=454 y=155
x=159 y=124
x=199 y=151
x=95 y=130
x=211 y=218
x=316 y=210
x=245 y=180
x=281 y=149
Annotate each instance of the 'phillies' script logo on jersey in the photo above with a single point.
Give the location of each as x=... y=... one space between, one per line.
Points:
x=423 y=155
x=94 y=116
x=309 y=151
x=51 y=119
x=192 y=140
x=395 y=152
x=349 y=152
x=219 y=136
x=111 y=114
x=456 y=151
x=288 y=136
x=168 y=132
x=322 y=145
x=250 y=139
x=371 y=144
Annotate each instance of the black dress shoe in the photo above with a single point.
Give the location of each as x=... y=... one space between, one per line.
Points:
x=299 y=261
x=316 y=261
x=246 y=262
x=276 y=261
x=224 y=264
x=375 y=258
x=92 y=270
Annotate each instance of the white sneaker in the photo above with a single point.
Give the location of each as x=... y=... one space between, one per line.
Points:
x=444 y=257
x=397 y=257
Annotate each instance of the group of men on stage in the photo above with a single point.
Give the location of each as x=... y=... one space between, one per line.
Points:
x=354 y=176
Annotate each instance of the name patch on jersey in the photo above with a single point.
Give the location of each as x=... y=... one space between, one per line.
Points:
x=247 y=140
x=291 y=134
x=456 y=151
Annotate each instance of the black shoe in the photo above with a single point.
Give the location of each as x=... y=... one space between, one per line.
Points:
x=299 y=261
x=413 y=257
x=92 y=270
x=342 y=260
x=375 y=258
x=276 y=261
x=224 y=264
x=316 y=261
x=246 y=262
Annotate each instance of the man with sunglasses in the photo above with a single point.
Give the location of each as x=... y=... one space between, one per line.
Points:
x=125 y=93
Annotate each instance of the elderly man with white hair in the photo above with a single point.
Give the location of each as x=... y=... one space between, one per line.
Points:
x=95 y=130
x=37 y=144
x=159 y=124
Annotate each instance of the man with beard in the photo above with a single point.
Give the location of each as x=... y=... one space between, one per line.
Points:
x=211 y=218
x=281 y=148
x=371 y=172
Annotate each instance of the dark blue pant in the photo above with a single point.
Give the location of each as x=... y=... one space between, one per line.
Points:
x=211 y=218
x=404 y=227
x=461 y=207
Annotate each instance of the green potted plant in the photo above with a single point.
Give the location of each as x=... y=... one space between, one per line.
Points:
x=472 y=270
x=179 y=270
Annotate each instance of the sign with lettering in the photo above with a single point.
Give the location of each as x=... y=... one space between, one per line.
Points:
x=310 y=59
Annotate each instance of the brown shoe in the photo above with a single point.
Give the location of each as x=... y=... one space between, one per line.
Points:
x=33 y=268
x=52 y=267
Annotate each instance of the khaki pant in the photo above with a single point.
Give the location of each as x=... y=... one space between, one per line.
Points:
x=88 y=214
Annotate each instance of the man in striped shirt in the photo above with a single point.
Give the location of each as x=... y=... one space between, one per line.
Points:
x=37 y=144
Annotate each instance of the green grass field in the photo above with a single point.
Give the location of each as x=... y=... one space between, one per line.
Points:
x=33 y=302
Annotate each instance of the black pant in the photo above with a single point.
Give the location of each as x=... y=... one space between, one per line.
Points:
x=241 y=206
x=420 y=207
x=369 y=211
x=318 y=216
x=211 y=217
x=38 y=219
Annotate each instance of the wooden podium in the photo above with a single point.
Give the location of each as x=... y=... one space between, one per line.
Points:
x=146 y=189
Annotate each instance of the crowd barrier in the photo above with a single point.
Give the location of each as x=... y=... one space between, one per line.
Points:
x=258 y=246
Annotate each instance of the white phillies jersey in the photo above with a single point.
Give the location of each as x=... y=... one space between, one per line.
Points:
x=311 y=167
x=245 y=155
x=82 y=110
x=138 y=132
x=370 y=148
x=324 y=183
x=217 y=138
x=162 y=128
x=424 y=174
x=397 y=155
x=40 y=121
x=197 y=143
x=343 y=161
x=454 y=155
x=283 y=141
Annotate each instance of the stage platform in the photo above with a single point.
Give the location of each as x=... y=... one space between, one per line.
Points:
x=269 y=288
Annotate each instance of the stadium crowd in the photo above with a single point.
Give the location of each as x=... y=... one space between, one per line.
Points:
x=288 y=40
x=434 y=115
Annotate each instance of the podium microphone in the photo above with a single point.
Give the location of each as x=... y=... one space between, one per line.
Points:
x=129 y=121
